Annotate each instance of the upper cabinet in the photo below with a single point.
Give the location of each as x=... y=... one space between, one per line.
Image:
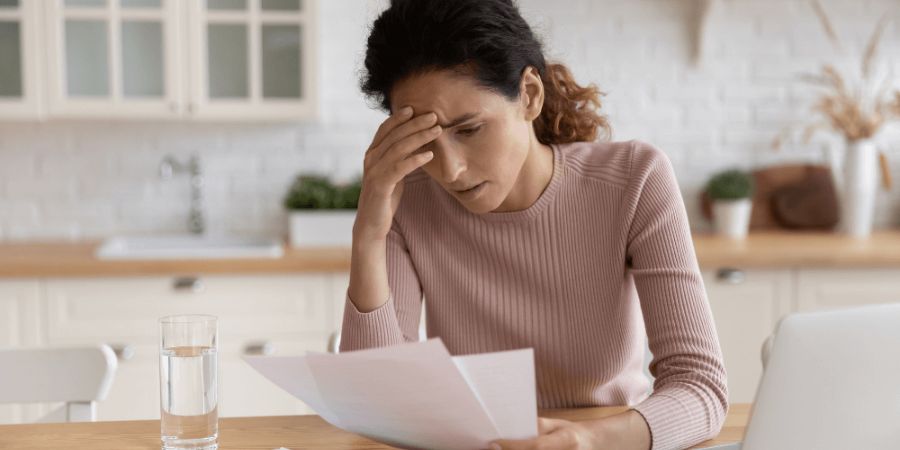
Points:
x=20 y=75
x=252 y=59
x=163 y=59
x=113 y=58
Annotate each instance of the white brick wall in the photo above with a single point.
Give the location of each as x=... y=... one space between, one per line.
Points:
x=70 y=180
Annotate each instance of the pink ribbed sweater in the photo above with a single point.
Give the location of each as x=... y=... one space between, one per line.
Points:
x=604 y=254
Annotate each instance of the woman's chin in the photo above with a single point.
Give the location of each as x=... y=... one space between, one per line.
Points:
x=480 y=206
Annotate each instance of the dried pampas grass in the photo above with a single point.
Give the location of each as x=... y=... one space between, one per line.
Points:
x=855 y=108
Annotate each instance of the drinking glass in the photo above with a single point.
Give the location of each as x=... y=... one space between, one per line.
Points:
x=188 y=382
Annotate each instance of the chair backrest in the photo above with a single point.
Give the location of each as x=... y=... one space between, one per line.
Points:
x=78 y=376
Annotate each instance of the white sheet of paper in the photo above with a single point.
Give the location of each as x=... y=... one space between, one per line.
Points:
x=415 y=395
x=504 y=382
x=292 y=374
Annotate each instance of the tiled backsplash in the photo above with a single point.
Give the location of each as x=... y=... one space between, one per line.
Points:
x=71 y=180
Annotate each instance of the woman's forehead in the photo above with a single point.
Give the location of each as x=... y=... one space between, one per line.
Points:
x=443 y=92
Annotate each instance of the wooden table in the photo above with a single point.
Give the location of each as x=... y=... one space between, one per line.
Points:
x=251 y=433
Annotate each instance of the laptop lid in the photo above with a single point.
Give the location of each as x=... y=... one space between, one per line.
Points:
x=832 y=381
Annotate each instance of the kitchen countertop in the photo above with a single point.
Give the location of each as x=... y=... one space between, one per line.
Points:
x=763 y=249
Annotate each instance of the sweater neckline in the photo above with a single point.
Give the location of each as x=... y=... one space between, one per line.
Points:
x=542 y=201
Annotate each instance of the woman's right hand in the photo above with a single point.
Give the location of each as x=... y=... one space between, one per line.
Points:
x=391 y=156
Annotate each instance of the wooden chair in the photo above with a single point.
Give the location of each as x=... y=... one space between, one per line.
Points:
x=80 y=377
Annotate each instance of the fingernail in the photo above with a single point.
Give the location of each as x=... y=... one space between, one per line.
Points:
x=496 y=447
x=406 y=110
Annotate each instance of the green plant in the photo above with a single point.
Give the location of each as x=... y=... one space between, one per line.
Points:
x=730 y=185
x=318 y=192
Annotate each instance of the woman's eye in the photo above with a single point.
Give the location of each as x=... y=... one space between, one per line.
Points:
x=469 y=131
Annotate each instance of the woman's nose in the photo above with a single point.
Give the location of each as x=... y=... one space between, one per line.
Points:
x=450 y=159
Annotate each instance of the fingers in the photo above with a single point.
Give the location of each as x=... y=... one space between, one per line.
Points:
x=395 y=119
x=546 y=425
x=400 y=158
x=551 y=435
x=554 y=441
x=407 y=128
x=406 y=166
x=398 y=133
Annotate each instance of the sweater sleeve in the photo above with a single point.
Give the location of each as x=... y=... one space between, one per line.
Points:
x=395 y=322
x=690 y=397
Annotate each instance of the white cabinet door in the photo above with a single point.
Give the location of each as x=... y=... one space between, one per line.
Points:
x=114 y=58
x=284 y=314
x=252 y=59
x=20 y=52
x=746 y=306
x=19 y=326
x=823 y=289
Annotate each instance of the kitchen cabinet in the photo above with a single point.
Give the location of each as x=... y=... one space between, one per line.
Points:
x=113 y=58
x=824 y=289
x=255 y=59
x=746 y=305
x=19 y=327
x=258 y=314
x=221 y=60
x=20 y=60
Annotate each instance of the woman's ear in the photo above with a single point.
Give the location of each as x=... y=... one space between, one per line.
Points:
x=531 y=93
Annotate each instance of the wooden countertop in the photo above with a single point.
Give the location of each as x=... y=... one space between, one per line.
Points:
x=266 y=433
x=764 y=249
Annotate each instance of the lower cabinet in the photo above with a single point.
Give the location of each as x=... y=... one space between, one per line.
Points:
x=819 y=290
x=293 y=314
x=747 y=305
x=19 y=304
x=258 y=314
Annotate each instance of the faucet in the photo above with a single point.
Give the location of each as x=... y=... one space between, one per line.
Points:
x=171 y=166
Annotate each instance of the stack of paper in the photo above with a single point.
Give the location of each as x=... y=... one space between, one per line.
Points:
x=415 y=395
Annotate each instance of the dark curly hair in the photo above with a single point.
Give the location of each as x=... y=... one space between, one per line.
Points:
x=488 y=40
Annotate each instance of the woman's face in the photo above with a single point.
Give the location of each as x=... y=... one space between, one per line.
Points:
x=485 y=140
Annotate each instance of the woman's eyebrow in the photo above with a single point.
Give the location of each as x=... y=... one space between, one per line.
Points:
x=459 y=120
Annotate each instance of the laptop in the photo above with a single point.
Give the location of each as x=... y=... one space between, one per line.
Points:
x=832 y=381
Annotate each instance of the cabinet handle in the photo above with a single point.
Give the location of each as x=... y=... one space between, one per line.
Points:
x=124 y=352
x=264 y=348
x=730 y=275
x=187 y=284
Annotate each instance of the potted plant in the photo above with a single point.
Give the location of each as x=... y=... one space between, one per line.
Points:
x=856 y=102
x=321 y=212
x=731 y=192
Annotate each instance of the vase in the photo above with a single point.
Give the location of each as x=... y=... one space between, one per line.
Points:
x=321 y=228
x=859 y=187
x=731 y=218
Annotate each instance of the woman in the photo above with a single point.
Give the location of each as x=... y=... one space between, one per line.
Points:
x=486 y=192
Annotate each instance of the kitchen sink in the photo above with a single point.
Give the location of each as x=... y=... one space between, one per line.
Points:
x=188 y=247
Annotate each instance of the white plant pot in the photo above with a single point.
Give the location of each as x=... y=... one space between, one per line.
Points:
x=859 y=186
x=321 y=228
x=731 y=218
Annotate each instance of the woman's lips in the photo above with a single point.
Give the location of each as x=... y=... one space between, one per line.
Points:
x=472 y=192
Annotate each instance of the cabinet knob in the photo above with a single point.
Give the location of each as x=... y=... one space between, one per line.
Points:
x=123 y=352
x=264 y=348
x=187 y=284
x=730 y=275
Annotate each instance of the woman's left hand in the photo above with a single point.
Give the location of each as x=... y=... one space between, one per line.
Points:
x=554 y=434
x=626 y=430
